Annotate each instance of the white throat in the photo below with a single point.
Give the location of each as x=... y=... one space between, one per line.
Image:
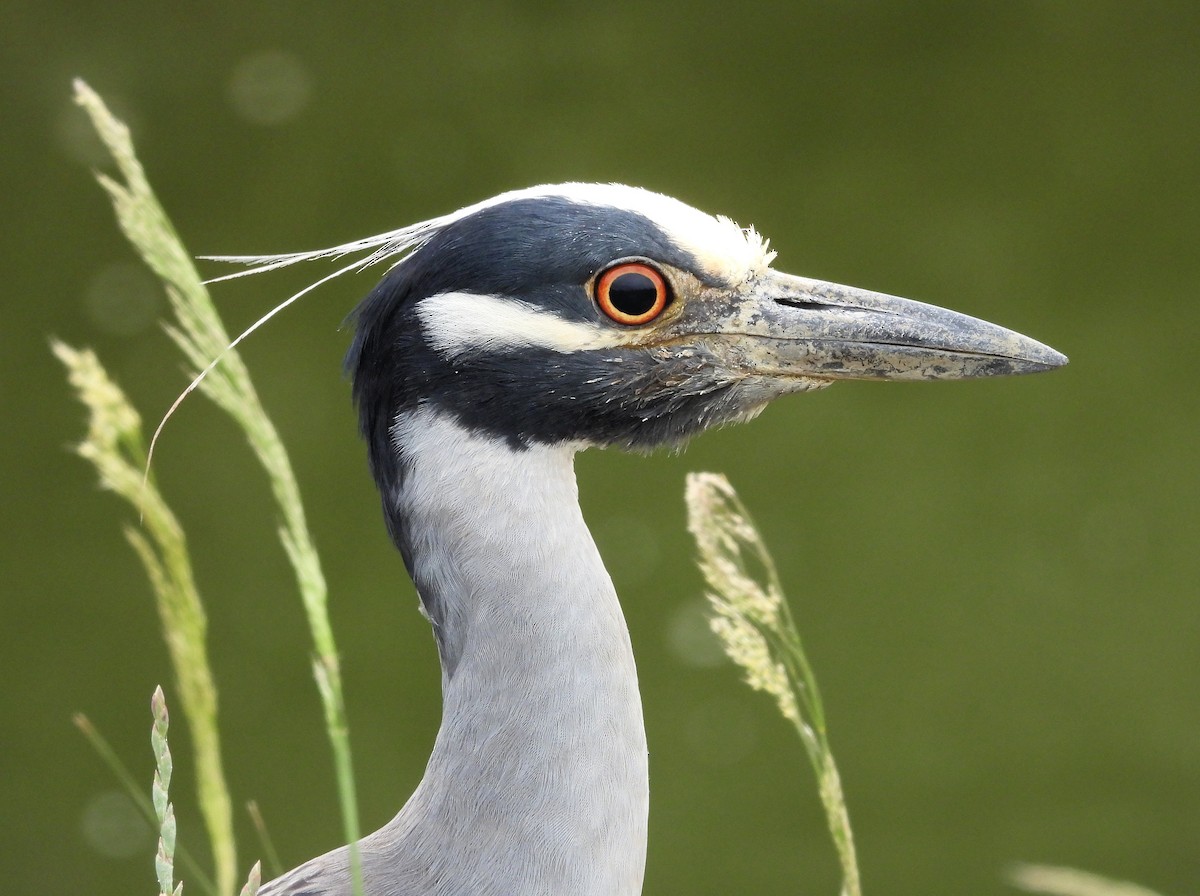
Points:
x=538 y=779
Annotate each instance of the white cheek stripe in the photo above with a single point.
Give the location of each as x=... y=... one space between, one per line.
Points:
x=456 y=322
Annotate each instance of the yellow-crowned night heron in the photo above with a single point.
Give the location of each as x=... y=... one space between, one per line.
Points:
x=511 y=335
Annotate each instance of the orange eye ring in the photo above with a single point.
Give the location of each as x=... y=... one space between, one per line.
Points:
x=632 y=293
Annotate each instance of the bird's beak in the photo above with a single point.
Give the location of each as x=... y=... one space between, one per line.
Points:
x=823 y=331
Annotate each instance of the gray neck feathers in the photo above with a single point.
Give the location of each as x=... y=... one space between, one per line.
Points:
x=538 y=779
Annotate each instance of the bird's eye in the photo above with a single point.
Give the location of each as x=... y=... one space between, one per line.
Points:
x=632 y=293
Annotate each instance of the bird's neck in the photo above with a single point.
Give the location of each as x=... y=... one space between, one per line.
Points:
x=538 y=778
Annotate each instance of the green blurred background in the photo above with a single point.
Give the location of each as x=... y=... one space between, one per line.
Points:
x=997 y=580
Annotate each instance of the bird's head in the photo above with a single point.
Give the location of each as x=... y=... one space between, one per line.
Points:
x=610 y=315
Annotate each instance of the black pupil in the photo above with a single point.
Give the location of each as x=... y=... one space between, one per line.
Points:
x=632 y=293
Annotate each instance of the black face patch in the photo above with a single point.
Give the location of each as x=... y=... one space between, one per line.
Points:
x=539 y=250
x=542 y=252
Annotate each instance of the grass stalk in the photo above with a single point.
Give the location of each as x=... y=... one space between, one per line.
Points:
x=274 y=866
x=1054 y=880
x=164 y=862
x=757 y=631
x=253 y=881
x=135 y=792
x=201 y=336
x=114 y=446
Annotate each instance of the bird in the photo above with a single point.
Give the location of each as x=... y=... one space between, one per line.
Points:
x=504 y=339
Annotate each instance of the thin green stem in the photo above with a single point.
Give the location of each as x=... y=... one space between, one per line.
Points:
x=135 y=792
x=757 y=630
x=201 y=337
x=274 y=866
x=113 y=445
